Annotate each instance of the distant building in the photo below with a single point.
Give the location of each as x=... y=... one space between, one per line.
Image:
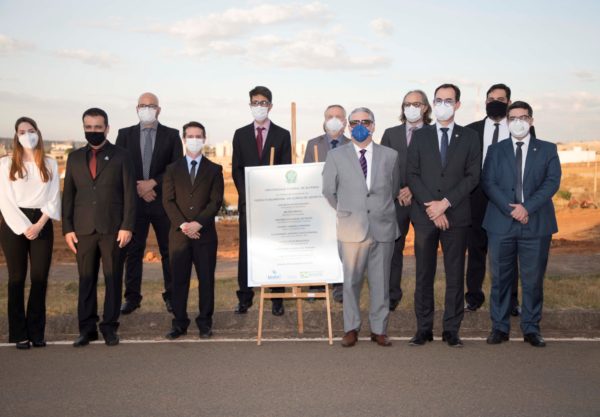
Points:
x=577 y=154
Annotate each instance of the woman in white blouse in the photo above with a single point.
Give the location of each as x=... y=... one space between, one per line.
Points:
x=30 y=190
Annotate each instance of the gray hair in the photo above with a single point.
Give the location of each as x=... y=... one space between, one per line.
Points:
x=336 y=106
x=362 y=110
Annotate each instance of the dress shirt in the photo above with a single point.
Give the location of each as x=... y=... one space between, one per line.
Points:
x=414 y=126
x=368 y=157
x=189 y=160
x=266 y=125
x=28 y=192
x=488 y=134
x=152 y=126
x=524 y=149
x=440 y=133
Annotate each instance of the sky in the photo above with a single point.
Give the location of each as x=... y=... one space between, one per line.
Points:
x=201 y=58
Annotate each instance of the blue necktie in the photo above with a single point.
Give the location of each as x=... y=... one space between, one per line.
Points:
x=444 y=147
x=334 y=143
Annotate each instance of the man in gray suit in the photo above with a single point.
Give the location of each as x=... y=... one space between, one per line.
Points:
x=361 y=181
x=334 y=125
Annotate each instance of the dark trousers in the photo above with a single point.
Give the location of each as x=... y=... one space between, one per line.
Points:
x=184 y=253
x=477 y=244
x=454 y=242
x=147 y=214
x=511 y=252
x=91 y=249
x=246 y=294
x=403 y=218
x=17 y=249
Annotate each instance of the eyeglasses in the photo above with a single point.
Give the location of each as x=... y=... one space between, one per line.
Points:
x=365 y=122
x=524 y=118
x=147 y=106
x=447 y=101
x=263 y=103
x=416 y=104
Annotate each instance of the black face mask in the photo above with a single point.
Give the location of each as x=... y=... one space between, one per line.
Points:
x=496 y=109
x=95 y=138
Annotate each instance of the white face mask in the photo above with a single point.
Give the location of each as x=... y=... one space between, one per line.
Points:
x=333 y=125
x=443 y=112
x=29 y=140
x=519 y=128
x=194 y=145
x=412 y=114
x=147 y=115
x=259 y=113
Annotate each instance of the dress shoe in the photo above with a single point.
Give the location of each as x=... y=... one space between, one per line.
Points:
x=350 y=338
x=23 y=345
x=129 y=307
x=419 y=339
x=534 y=339
x=496 y=337
x=175 y=333
x=394 y=304
x=242 y=308
x=380 y=339
x=85 y=339
x=277 y=308
x=111 y=338
x=168 y=305
x=206 y=334
x=470 y=308
x=515 y=311
x=452 y=339
x=38 y=343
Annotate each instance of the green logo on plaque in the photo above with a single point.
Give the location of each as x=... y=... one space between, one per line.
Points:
x=291 y=176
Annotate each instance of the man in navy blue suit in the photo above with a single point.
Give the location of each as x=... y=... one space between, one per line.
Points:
x=520 y=176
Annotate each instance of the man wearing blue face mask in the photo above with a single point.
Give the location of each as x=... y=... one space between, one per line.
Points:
x=361 y=181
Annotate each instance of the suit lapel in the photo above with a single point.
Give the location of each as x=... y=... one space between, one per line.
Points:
x=266 y=151
x=509 y=156
x=454 y=143
x=160 y=131
x=355 y=163
x=532 y=152
x=434 y=144
x=202 y=172
x=375 y=162
x=136 y=149
x=105 y=159
x=323 y=147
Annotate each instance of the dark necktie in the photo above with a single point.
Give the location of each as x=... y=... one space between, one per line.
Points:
x=147 y=154
x=93 y=163
x=259 y=140
x=193 y=171
x=334 y=143
x=363 y=161
x=409 y=135
x=444 y=147
x=496 y=133
x=519 y=167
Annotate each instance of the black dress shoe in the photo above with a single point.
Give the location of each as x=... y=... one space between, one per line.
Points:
x=38 y=343
x=394 y=304
x=242 y=308
x=85 y=339
x=419 y=339
x=129 y=307
x=277 y=308
x=206 y=334
x=175 y=333
x=496 y=337
x=471 y=308
x=515 y=311
x=168 y=305
x=452 y=339
x=534 y=339
x=23 y=345
x=111 y=338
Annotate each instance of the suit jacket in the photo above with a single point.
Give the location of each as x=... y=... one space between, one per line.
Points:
x=541 y=181
x=245 y=154
x=105 y=204
x=359 y=209
x=395 y=138
x=167 y=149
x=200 y=201
x=323 y=147
x=428 y=181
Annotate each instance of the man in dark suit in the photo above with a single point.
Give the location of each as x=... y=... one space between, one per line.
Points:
x=415 y=112
x=97 y=220
x=334 y=125
x=444 y=163
x=520 y=176
x=252 y=146
x=192 y=196
x=152 y=147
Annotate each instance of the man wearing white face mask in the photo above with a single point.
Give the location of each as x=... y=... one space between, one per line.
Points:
x=520 y=177
x=152 y=146
x=252 y=146
x=415 y=113
x=192 y=196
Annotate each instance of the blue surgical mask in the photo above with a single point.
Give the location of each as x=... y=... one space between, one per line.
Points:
x=360 y=133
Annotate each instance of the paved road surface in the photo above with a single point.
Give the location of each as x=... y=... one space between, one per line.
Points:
x=301 y=379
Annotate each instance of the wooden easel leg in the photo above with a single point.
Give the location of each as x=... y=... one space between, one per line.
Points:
x=328 y=302
x=299 y=310
x=260 y=315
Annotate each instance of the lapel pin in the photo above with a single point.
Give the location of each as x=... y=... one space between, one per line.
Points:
x=106 y=158
x=456 y=135
x=534 y=149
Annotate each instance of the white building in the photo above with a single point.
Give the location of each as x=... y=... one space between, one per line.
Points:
x=577 y=154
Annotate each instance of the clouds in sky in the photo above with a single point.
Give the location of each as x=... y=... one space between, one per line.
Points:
x=97 y=59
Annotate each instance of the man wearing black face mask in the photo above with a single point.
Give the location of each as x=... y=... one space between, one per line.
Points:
x=491 y=130
x=98 y=218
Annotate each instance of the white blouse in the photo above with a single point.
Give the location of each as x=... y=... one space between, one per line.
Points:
x=28 y=192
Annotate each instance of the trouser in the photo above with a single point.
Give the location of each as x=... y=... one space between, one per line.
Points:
x=403 y=219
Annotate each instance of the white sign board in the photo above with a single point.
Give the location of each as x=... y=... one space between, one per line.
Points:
x=291 y=227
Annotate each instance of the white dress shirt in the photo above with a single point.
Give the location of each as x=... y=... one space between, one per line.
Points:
x=524 y=149
x=28 y=192
x=439 y=127
x=488 y=134
x=368 y=157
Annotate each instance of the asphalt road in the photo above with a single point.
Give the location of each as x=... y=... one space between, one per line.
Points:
x=301 y=379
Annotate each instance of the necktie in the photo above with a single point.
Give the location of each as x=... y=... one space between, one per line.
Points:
x=93 y=163
x=147 y=154
x=409 y=135
x=496 y=132
x=259 y=140
x=444 y=147
x=363 y=161
x=334 y=143
x=519 y=167
x=193 y=171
